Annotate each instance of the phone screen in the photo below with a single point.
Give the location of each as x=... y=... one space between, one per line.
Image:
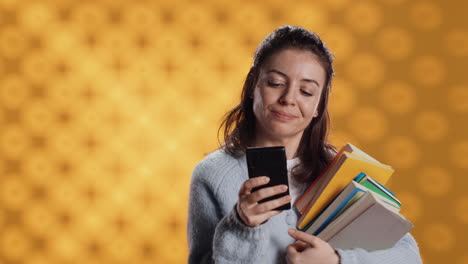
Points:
x=271 y=162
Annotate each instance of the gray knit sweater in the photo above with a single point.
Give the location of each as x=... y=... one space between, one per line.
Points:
x=216 y=235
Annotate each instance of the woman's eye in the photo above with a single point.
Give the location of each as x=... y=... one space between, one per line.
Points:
x=306 y=93
x=273 y=84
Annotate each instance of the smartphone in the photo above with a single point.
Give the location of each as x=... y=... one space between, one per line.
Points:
x=271 y=162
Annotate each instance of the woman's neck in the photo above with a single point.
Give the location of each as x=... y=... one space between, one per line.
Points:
x=290 y=144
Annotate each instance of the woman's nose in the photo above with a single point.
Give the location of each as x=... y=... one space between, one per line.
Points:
x=288 y=96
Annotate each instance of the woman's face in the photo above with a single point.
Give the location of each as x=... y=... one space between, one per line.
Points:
x=287 y=93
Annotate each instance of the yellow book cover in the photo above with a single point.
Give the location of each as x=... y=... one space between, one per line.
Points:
x=351 y=166
x=304 y=201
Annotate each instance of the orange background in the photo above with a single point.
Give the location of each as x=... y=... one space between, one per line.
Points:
x=106 y=107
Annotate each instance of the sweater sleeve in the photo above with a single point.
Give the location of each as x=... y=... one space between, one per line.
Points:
x=217 y=238
x=405 y=251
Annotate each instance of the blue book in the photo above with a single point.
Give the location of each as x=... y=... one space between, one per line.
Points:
x=347 y=197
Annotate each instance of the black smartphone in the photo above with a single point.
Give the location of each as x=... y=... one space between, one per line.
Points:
x=271 y=162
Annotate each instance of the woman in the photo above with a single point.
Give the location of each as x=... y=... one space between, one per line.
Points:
x=283 y=103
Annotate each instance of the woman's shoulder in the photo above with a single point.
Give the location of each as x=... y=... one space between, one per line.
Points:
x=218 y=157
x=218 y=162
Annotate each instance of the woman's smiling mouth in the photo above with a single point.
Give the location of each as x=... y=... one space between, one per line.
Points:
x=282 y=116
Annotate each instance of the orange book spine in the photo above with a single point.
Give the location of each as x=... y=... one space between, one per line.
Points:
x=316 y=180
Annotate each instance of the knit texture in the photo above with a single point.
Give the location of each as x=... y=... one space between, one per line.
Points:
x=216 y=235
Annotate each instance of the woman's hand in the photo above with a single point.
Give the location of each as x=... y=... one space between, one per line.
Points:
x=253 y=213
x=310 y=249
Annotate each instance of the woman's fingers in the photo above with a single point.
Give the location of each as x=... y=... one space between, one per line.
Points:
x=249 y=184
x=291 y=255
x=265 y=216
x=270 y=205
x=267 y=192
x=300 y=246
x=253 y=213
x=255 y=219
x=304 y=237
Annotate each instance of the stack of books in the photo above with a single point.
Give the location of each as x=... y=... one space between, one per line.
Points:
x=348 y=205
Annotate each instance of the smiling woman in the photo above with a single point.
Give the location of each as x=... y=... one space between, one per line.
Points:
x=286 y=97
x=283 y=103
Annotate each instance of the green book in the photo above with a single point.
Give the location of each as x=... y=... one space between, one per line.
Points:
x=373 y=185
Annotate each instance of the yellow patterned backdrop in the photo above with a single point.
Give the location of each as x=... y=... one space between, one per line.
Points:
x=106 y=106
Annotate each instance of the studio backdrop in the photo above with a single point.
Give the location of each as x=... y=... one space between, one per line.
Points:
x=106 y=107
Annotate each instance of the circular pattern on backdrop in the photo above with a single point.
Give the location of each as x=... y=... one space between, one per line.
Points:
x=457 y=98
x=35 y=17
x=36 y=117
x=364 y=17
x=37 y=67
x=457 y=42
x=2 y=219
x=412 y=207
x=337 y=4
x=13 y=92
x=38 y=219
x=39 y=168
x=2 y=67
x=444 y=234
x=340 y=138
x=250 y=14
x=425 y=15
x=431 y=126
x=428 y=70
x=434 y=181
x=401 y=152
x=310 y=16
x=62 y=42
x=342 y=98
x=393 y=2
x=394 y=43
x=460 y=209
x=14 y=141
x=398 y=97
x=12 y=42
x=463 y=260
x=340 y=40
x=368 y=124
x=366 y=70
x=141 y=16
x=64 y=246
x=15 y=244
x=89 y=14
x=459 y=151
x=14 y=193
x=194 y=16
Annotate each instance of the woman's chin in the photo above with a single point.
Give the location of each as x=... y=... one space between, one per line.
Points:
x=281 y=132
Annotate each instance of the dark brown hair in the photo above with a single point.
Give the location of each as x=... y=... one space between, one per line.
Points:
x=238 y=125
